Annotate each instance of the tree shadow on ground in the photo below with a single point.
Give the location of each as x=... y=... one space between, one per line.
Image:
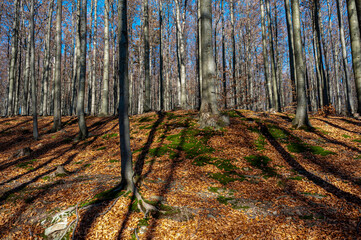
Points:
x=302 y=171
x=337 y=126
x=139 y=163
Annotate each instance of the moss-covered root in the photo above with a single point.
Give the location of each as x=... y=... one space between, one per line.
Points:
x=213 y=120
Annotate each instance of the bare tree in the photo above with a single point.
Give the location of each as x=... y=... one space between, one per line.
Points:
x=209 y=113
x=147 y=104
x=105 y=91
x=83 y=133
x=32 y=72
x=57 y=78
x=301 y=120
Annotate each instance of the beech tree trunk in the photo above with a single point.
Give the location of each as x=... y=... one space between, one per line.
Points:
x=161 y=82
x=57 y=79
x=83 y=133
x=233 y=39
x=355 y=48
x=147 y=102
x=209 y=113
x=46 y=69
x=32 y=72
x=93 y=68
x=301 y=120
x=349 y=103
x=105 y=91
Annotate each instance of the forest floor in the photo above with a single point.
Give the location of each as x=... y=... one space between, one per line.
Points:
x=257 y=179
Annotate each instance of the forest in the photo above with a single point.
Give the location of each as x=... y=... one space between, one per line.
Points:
x=180 y=119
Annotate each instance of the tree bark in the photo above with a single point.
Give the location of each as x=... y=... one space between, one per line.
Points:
x=233 y=39
x=291 y=49
x=224 y=75
x=83 y=133
x=46 y=69
x=161 y=81
x=147 y=102
x=57 y=79
x=32 y=72
x=355 y=48
x=105 y=91
x=13 y=60
x=301 y=120
x=93 y=68
x=209 y=113
x=265 y=57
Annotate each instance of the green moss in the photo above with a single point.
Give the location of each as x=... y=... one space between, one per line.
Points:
x=109 y=136
x=146 y=127
x=278 y=133
x=357 y=140
x=225 y=164
x=143 y=222
x=224 y=200
x=358 y=157
x=202 y=160
x=346 y=136
x=231 y=113
x=296 y=147
x=213 y=189
x=296 y=178
x=145 y=119
x=320 y=151
x=261 y=162
x=234 y=206
x=46 y=178
x=26 y=165
x=260 y=143
x=113 y=161
x=225 y=178
x=159 y=151
x=101 y=148
x=87 y=165
x=254 y=129
x=306 y=217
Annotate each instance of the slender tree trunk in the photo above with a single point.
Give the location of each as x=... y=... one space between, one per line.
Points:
x=147 y=102
x=94 y=67
x=233 y=39
x=349 y=103
x=224 y=76
x=301 y=119
x=32 y=72
x=57 y=83
x=105 y=90
x=161 y=87
x=46 y=69
x=291 y=49
x=13 y=60
x=265 y=57
x=355 y=48
x=276 y=101
x=83 y=133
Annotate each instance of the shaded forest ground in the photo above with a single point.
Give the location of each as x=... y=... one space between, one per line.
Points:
x=256 y=179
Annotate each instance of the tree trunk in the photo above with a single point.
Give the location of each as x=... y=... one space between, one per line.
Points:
x=301 y=119
x=276 y=99
x=291 y=49
x=349 y=103
x=147 y=102
x=57 y=79
x=209 y=114
x=161 y=87
x=46 y=69
x=93 y=68
x=32 y=72
x=233 y=39
x=224 y=76
x=105 y=91
x=265 y=57
x=14 y=54
x=355 y=48
x=83 y=133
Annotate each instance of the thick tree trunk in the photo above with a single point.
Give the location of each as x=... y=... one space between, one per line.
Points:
x=209 y=113
x=105 y=91
x=301 y=119
x=147 y=102
x=32 y=72
x=57 y=83
x=355 y=48
x=25 y=104
x=83 y=133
